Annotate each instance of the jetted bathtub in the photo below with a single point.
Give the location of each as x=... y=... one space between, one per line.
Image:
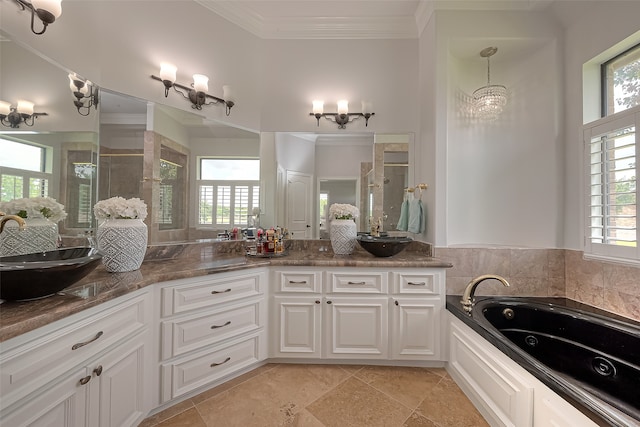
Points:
x=588 y=356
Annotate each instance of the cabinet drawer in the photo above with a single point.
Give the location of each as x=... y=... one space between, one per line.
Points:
x=417 y=283
x=190 y=294
x=357 y=282
x=192 y=332
x=33 y=363
x=309 y=281
x=205 y=367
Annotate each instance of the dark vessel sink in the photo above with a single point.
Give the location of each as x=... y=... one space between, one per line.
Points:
x=383 y=246
x=38 y=275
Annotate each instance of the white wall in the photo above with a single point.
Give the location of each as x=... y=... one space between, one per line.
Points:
x=503 y=179
x=296 y=72
x=341 y=160
x=590 y=29
x=295 y=154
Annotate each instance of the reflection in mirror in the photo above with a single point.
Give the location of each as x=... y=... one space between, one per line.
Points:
x=391 y=176
x=155 y=152
x=344 y=191
x=57 y=156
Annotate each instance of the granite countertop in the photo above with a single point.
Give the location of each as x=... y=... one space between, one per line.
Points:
x=180 y=261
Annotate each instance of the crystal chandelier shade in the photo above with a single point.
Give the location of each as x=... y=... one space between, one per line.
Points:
x=489 y=100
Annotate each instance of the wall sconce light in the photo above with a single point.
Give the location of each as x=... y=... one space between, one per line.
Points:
x=197 y=93
x=13 y=116
x=489 y=100
x=47 y=11
x=343 y=116
x=85 y=93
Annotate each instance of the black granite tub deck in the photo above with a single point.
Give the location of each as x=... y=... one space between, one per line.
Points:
x=588 y=356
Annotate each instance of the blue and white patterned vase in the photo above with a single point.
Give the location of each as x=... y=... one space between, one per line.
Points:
x=343 y=234
x=123 y=244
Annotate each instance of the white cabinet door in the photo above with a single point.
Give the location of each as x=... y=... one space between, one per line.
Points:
x=63 y=405
x=356 y=327
x=117 y=387
x=416 y=328
x=297 y=326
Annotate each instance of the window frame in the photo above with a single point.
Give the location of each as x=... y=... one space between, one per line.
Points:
x=234 y=185
x=604 y=79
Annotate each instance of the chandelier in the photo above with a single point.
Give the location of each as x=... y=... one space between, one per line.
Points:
x=489 y=100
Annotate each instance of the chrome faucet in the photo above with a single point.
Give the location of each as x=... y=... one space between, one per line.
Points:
x=468 y=296
x=6 y=218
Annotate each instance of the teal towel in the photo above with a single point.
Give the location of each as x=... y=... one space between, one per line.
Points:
x=416 y=217
x=403 y=222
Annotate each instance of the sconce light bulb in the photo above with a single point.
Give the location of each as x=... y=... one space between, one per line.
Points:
x=343 y=106
x=200 y=83
x=227 y=93
x=367 y=107
x=318 y=107
x=168 y=72
x=54 y=7
x=25 y=107
x=5 y=108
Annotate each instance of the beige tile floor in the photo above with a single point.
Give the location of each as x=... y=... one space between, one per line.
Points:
x=327 y=395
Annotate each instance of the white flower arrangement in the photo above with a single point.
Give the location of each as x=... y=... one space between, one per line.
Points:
x=343 y=211
x=120 y=208
x=35 y=207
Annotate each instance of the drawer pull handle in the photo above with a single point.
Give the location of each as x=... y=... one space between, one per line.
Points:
x=299 y=282
x=317 y=301
x=221 y=363
x=82 y=344
x=85 y=380
x=417 y=283
x=220 y=292
x=356 y=283
x=221 y=326
x=98 y=371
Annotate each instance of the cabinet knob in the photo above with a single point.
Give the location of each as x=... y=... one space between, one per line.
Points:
x=82 y=344
x=98 y=370
x=317 y=301
x=220 y=292
x=396 y=302
x=221 y=363
x=85 y=380
x=328 y=302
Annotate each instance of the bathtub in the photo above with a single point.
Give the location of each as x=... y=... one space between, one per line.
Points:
x=588 y=356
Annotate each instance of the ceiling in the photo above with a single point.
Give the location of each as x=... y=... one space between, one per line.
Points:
x=351 y=19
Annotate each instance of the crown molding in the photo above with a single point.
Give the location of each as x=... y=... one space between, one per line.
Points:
x=392 y=27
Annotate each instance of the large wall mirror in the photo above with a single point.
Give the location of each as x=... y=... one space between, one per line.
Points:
x=199 y=177
x=57 y=155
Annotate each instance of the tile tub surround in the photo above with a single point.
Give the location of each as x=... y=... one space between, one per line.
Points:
x=180 y=261
x=546 y=272
x=327 y=395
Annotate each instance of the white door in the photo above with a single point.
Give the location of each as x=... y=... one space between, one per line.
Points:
x=299 y=213
x=63 y=405
x=298 y=324
x=118 y=387
x=356 y=327
x=416 y=328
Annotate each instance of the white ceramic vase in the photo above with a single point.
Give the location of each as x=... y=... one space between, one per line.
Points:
x=39 y=235
x=343 y=236
x=123 y=244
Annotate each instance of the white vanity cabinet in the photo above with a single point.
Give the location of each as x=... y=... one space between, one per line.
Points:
x=85 y=370
x=417 y=312
x=210 y=328
x=357 y=313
